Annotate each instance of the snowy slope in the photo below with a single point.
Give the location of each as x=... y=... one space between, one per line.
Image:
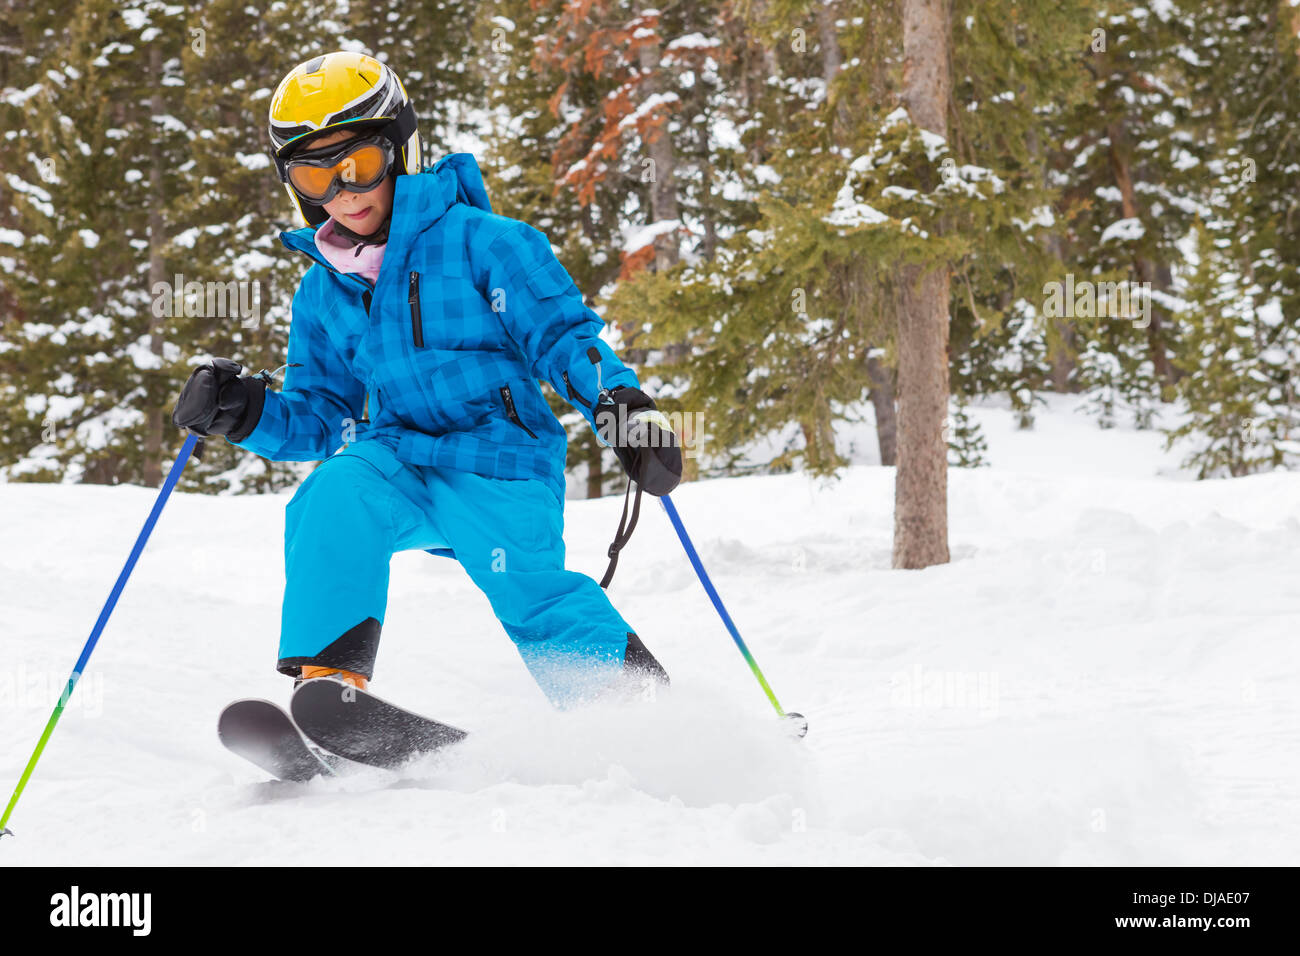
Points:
x=1106 y=673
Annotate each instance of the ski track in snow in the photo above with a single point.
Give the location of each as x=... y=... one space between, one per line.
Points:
x=1105 y=674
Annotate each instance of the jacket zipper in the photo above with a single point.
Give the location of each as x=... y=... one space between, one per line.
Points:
x=366 y=299
x=511 y=413
x=573 y=392
x=417 y=326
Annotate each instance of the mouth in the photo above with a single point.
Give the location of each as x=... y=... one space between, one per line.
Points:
x=357 y=216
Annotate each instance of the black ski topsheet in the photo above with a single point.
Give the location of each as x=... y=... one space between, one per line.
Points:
x=263 y=734
x=360 y=726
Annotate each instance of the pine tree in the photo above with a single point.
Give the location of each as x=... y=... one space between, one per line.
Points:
x=776 y=312
x=1228 y=422
x=966 y=443
x=1243 y=315
x=1133 y=161
x=87 y=355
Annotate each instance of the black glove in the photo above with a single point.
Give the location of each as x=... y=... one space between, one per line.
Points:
x=642 y=438
x=217 y=401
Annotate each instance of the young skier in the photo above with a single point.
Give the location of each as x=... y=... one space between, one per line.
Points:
x=417 y=338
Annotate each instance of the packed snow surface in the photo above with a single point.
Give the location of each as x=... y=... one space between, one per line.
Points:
x=1106 y=673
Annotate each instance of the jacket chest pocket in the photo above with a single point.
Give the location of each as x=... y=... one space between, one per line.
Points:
x=447 y=312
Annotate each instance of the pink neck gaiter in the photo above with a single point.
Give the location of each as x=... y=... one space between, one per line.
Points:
x=343 y=255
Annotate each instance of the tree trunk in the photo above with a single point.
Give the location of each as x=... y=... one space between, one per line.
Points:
x=709 y=245
x=882 y=400
x=1121 y=169
x=1065 y=346
x=832 y=56
x=663 y=188
x=1062 y=347
x=921 y=484
x=153 y=438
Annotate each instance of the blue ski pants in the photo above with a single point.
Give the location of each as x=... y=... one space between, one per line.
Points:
x=360 y=506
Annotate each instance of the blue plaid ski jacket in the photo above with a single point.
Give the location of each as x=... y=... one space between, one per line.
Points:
x=469 y=311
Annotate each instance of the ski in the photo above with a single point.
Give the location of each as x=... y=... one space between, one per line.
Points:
x=360 y=726
x=263 y=734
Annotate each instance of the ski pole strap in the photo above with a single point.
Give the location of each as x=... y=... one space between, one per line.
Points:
x=624 y=535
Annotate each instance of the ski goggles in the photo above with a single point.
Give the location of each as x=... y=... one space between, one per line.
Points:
x=358 y=165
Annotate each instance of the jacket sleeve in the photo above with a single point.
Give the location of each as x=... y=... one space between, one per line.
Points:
x=304 y=420
x=543 y=311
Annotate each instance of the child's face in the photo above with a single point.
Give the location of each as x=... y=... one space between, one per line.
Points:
x=360 y=212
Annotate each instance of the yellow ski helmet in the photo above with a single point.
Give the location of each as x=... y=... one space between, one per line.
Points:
x=340 y=91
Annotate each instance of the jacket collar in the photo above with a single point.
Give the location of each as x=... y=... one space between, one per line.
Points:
x=419 y=201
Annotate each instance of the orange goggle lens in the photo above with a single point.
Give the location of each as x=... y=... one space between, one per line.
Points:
x=357 y=171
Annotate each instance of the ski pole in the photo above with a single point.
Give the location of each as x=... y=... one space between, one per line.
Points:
x=79 y=668
x=800 y=721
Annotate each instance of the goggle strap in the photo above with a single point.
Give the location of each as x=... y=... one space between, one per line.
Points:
x=402 y=127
